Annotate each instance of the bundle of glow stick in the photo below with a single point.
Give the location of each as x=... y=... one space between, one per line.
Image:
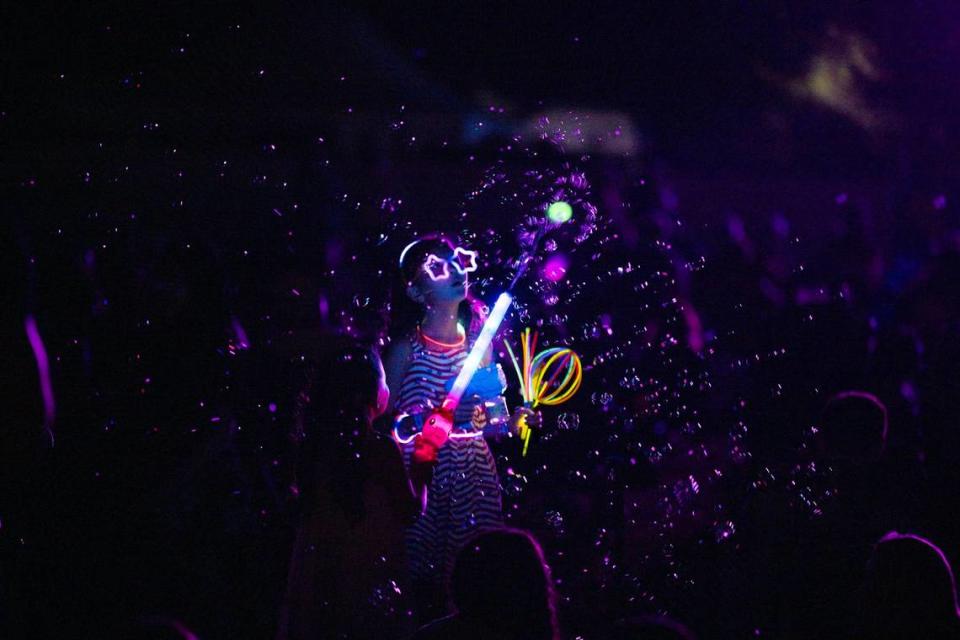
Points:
x=540 y=376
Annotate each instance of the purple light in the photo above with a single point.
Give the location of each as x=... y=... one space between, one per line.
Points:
x=555 y=269
x=323 y=306
x=172 y=623
x=183 y=630
x=43 y=370
x=242 y=341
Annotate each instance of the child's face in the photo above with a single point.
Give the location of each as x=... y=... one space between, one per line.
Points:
x=445 y=276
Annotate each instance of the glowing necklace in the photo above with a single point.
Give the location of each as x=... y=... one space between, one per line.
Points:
x=444 y=345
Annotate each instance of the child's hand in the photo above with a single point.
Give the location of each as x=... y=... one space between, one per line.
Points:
x=524 y=416
x=425 y=447
x=479 y=418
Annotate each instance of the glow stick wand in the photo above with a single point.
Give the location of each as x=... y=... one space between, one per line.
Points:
x=443 y=417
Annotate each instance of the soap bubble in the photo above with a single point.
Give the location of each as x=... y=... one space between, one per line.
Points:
x=386 y=598
x=724 y=530
x=568 y=421
x=514 y=484
x=554 y=520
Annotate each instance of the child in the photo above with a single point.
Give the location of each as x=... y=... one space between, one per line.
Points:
x=463 y=495
x=347 y=569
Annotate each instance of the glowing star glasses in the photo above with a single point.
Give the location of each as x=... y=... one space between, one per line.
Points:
x=463 y=260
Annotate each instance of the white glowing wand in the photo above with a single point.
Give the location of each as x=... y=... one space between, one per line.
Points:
x=443 y=417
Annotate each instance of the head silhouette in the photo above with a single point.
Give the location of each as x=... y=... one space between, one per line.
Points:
x=854 y=426
x=347 y=386
x=650 y=628
x=909 y=590
x=502 y=582
x=345 y=393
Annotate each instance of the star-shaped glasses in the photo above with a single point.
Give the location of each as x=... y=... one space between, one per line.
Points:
x=463 y=260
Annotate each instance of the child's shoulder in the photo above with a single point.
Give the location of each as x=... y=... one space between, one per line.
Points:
x=399 y=348
x=396 y=358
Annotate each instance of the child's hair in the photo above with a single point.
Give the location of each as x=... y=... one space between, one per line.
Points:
x=406 y=313
x=331 y=426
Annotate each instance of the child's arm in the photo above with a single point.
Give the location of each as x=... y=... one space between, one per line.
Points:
x=395 y=364
x=493 y=415
x=487 y=359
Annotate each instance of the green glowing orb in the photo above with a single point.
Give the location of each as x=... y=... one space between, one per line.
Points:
x=559 y=212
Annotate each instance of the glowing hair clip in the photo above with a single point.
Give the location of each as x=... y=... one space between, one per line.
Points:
x=430 y=266
x=471 y=263
x=403 y=254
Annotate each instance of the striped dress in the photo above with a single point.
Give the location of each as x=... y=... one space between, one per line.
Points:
x=464 y=494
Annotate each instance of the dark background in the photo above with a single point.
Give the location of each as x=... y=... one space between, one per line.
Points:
x=173 y=170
